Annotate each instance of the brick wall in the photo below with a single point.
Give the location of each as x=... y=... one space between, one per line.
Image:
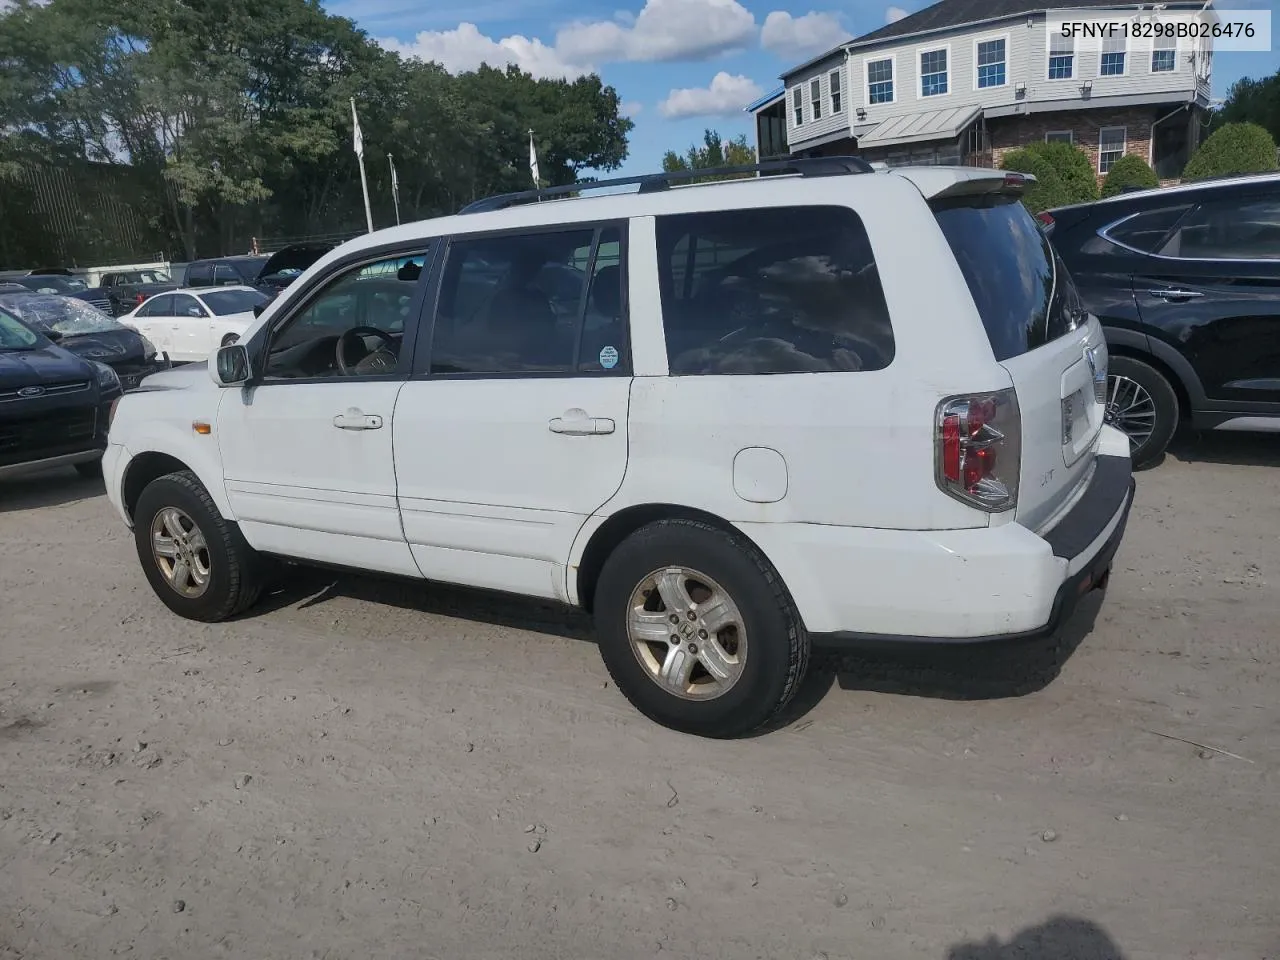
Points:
x=1012 y=132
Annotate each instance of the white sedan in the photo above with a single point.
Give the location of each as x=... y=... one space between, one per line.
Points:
x=192 y=323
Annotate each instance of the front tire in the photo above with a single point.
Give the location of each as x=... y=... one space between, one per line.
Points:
x=697 y=629
x=1142 y=403
x=198 y=563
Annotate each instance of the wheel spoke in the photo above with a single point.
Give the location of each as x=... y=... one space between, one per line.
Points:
x=672 y=589
x=196 y=541
x=716 y=660
x=717 y=614
x=180 y=574
x=173 y=524
x=649 y=627
x=164 y=547
x=677 y=668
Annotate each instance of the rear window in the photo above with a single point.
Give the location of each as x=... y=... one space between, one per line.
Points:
x=1146 y=231
x=226 y=302
x=1021 y=288
x=771 y=290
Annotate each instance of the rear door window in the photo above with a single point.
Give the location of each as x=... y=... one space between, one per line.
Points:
x=1241 y=229
x=771 y=290
x=1019 y=285
x=200 y=275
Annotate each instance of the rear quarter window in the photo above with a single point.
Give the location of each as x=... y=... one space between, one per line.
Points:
x=1019 y=284
x=770 y=291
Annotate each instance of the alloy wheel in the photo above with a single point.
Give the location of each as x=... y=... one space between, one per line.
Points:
x=687 y=633
x=181 y=552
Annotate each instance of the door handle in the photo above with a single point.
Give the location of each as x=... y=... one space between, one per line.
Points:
x=576 y=423
x=355 y=419
x=1175 y=294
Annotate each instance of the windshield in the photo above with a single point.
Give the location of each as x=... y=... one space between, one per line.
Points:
x=53 y=284
x=226 y=302
x=14 y=336
x=65 y=315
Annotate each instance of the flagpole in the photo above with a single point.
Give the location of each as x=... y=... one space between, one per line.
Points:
x=395 y=188
x=364 y=179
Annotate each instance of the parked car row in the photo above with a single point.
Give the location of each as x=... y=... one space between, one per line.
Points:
x=54 y=404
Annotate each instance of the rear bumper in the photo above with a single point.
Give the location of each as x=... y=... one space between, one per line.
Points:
x=954 y=586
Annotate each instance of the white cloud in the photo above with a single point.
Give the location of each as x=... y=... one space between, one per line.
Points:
x=726 y=96
x=630 y=108
x=894 y=14
x=664 y=30
x=790 y=36
x=466 y=48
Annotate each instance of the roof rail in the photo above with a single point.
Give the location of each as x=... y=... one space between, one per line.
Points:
x=655 y=182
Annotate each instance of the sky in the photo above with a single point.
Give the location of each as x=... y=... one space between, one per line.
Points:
x=679 y=66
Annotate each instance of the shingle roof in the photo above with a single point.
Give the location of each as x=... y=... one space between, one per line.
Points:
x=956 y=13
x=948 y=14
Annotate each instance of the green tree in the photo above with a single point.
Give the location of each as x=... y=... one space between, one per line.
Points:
x=714 y=152
x=1234 y=148
x=1127 y=173
x=1063 y=174
x=235 y=116
x=1254 y=101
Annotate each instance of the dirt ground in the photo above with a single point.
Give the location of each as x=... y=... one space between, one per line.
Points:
x=364 y=769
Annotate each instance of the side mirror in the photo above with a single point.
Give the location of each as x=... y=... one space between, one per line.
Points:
x=231 y=366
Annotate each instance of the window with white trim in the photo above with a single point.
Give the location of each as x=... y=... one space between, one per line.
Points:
x=1114 y=50
x=992 y=63
x=1164 y=55
x=933 y=73
x=1060 y=136
x=815 y=97
x=1062 y=57
x=797 y=105
x=837 y=92
x=1111 y=147
x=880 y=81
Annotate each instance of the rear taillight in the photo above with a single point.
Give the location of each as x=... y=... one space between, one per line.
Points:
x=979 y=450
x=140 y=298
x=1046 y=218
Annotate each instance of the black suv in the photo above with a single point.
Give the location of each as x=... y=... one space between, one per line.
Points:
x=55 y=407
x=1186 y=283
x=269 y=274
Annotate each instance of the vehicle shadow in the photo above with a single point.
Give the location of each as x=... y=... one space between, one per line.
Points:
x=54 y=488
x=304 y=587
x=1058 y=938
x=1233 y=449
x=939 y=671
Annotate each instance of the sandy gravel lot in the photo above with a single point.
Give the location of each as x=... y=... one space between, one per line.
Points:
x=373 y=770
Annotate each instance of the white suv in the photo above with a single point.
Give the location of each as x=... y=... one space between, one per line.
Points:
x=731 y=420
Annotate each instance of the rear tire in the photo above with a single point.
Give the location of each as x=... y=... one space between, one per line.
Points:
x=1142 y=403
x=726 y=597
x=176 y=521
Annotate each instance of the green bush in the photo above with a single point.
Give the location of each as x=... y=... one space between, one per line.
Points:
x=1128 y=172
x=1063 y=174
x=1234 y=148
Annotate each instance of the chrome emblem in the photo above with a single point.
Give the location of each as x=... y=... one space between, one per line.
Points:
x=31 y=392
